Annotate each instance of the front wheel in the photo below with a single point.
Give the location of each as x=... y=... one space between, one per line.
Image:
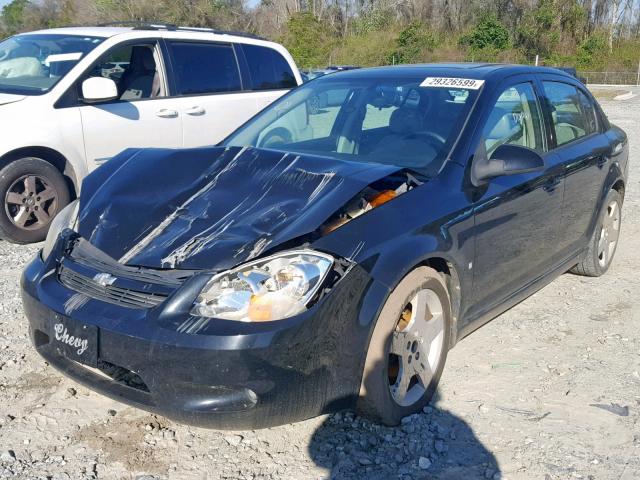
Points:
x=408 y=348
x=604 y=241
x=33 y=192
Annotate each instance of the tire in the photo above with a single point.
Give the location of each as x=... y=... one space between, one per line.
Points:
x=597 y=260
x=32 y=192
x=380 y=400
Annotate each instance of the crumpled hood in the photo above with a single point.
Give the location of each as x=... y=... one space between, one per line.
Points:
x=212 y=208
x=6 y=98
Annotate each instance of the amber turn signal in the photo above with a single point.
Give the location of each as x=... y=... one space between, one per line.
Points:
x=259 y=309
x=382 y=197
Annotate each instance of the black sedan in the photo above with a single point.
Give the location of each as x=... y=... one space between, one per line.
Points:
x=327 y=260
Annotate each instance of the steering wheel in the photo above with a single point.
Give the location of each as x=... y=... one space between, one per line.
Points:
x=434 y=139
x=275 y=138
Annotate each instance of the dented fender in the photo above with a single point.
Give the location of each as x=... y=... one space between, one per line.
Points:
x=410 y=236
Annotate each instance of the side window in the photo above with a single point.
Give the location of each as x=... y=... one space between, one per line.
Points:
x=268 y=69
x=572 y=112
x=377 y=117
x=201 y=68
x=515 y=120
x=134 y=68
x=324 y=108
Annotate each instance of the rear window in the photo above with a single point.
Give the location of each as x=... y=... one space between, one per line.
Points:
x=268 y=69
x=201 y=68
x=572 y=112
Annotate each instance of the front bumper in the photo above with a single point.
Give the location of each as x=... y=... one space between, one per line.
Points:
x=227 y=375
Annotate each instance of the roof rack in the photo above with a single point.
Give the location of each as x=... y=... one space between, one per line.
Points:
x=140 y=25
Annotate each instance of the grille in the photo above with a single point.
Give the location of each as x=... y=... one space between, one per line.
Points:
x=109 y=293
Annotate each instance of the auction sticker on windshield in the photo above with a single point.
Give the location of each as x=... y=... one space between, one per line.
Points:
x=445 y=82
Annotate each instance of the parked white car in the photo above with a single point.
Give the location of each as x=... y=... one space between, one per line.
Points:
x=71 y=98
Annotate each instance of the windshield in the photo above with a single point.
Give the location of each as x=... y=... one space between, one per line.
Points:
x=33 y=64
x=381 y=120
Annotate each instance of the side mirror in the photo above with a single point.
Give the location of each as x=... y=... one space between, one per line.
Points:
x=99 y=89
x=505 y=160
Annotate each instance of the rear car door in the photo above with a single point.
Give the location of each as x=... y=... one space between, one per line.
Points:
x=517 y=217
x=208 y=90
x=143 y=116
x=583 y=148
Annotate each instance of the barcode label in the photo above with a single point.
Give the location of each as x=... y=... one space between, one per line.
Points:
x=444 y=82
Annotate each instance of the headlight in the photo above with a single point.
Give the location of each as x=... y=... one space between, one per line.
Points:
x=65 y=219
x=273 y=288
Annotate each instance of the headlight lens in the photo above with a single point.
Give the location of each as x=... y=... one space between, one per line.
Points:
x=273 y=288
x=65 y=219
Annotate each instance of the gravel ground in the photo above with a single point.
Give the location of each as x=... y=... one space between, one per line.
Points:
x=549 y=390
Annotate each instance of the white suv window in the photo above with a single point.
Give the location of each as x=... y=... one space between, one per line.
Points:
x=135 y=69
x=202 y=68
x=268 y=69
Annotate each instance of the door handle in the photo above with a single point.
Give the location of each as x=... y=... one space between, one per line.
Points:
x=166 y=113
x=197 y=110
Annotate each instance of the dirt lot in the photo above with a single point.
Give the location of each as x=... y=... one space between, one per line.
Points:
x=550 y=390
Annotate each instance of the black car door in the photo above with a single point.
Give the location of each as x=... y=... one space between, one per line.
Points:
x=517 y=217
x=583 y=148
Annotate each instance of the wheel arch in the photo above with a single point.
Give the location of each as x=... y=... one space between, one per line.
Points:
x=619 y=187
x=388 y=273
x=614 y=180
x=51 y=156
x=451 y=278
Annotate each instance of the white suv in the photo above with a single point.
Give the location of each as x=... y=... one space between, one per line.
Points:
x=71 y=98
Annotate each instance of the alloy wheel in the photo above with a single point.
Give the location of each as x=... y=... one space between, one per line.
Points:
x=416 y=348
x=31 y=202
x=609 y=234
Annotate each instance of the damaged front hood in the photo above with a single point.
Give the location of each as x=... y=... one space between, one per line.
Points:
x=212 y=208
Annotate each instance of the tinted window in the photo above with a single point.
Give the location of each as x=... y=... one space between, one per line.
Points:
x=268 y=69
x=572 y=112
x=204 y=68
x=515 y=120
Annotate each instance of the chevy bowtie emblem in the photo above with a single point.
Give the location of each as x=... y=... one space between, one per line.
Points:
x=104 y=279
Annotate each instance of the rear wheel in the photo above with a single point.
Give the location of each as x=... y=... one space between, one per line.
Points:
x=33 y=192
x=604 y=242
x=408 y=348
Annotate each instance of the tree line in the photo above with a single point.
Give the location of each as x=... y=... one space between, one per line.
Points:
x=595 y=35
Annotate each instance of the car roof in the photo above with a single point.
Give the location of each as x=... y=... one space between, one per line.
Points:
x=102 y=32
x=148 y=30
x=477 y=71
